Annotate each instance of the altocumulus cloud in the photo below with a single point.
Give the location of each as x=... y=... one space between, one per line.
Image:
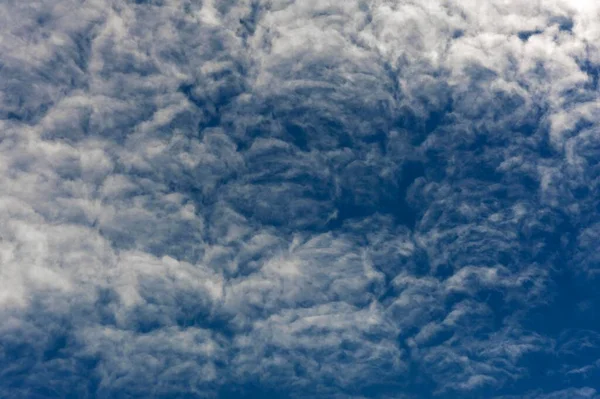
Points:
x=368 y=199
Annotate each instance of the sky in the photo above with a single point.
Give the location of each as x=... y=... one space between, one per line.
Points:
x=392 y=199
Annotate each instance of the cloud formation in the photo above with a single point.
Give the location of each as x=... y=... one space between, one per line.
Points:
x=299 y=199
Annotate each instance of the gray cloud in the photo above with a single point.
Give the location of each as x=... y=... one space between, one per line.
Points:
x=315 y=197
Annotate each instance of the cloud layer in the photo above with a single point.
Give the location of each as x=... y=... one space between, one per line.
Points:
x=380 y=199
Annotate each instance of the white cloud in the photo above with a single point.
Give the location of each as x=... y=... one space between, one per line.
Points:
x=205 y=194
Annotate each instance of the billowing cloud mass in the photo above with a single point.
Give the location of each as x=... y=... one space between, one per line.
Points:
x=303 y=199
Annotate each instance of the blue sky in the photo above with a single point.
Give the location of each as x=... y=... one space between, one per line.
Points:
x=299 y=199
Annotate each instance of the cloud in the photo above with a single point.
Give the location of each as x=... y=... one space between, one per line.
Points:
x=311 y=199
x=585 y=392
